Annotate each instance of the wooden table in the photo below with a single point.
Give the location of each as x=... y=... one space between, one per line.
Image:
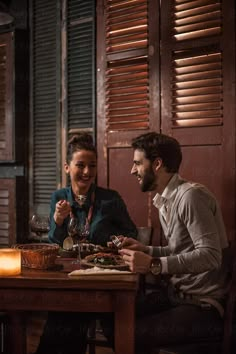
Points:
x=36 y=290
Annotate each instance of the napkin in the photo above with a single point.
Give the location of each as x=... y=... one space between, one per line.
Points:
x=98 y=271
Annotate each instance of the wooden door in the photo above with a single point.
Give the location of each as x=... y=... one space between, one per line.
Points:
x=198 y=93
x=127 y=94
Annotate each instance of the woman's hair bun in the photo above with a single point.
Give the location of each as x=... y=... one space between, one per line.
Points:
x=78 y=142
x=81 y=138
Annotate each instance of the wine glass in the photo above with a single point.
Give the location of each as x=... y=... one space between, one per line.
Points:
x=71 y=230
x=39 y=224
x=79 y=233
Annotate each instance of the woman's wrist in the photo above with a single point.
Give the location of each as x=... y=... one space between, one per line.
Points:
x=58 y=219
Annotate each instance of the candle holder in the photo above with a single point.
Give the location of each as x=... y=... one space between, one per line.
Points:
x=10 y=262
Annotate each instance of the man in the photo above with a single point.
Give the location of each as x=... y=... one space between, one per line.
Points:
x=193 y=258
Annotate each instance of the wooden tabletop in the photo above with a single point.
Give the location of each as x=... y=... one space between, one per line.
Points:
x=52 y=279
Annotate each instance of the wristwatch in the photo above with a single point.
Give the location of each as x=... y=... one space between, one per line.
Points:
x=155 y=267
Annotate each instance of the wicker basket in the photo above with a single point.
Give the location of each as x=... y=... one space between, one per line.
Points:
x=38 y=255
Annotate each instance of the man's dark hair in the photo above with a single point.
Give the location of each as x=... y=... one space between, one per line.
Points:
x=157 y=145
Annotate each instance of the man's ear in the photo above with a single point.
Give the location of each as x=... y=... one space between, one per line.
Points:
x=157 y=164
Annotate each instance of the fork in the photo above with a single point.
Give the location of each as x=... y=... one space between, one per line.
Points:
x=115 y=240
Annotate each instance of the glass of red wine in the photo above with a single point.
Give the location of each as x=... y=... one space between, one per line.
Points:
x=39 y=224
x=79 y=232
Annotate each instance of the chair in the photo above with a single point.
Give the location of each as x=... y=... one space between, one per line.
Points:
x=222 y=344
x=95 y=338
x=145 y=235
x=3 y=318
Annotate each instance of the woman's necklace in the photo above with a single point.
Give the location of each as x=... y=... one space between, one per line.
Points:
x=80 y=198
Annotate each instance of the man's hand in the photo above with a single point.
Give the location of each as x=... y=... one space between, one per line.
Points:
x=137 y=261
x=62 y=210
x=132 y=244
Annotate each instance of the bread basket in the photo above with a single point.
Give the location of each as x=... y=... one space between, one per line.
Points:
x=38 y=255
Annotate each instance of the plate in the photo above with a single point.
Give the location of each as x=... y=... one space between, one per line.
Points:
x=98 y=271
x=119 y=263
x=117 y=267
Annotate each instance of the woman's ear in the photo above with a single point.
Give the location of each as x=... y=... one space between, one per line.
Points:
x=66 y=168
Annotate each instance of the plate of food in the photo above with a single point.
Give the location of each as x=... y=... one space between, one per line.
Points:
x=105 y=260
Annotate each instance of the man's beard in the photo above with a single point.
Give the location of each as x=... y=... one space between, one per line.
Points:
x=148 y=181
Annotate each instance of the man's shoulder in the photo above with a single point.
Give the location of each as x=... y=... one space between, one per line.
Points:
x=192 y=191
x=189 y=186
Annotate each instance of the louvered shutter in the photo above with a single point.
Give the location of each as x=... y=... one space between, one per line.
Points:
x=46 y=102
x=127 y=94
x=7 y=212
x=198 y=97
x=128 y=102
x=81 y=58
x=127 y=71
x=6 y=89
x=193 y=51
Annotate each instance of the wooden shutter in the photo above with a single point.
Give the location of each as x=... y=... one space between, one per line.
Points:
x=128 y=102
x=46 y=124
x=126 y=76
x=6 y=89
x=7 y=212
x=128 y=48
x=198 y=97
x=192 y=45
x=81 y=65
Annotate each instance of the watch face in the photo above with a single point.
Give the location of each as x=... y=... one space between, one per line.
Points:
x=155 y=267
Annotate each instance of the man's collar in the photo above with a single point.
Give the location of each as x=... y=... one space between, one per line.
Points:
x=160 y=199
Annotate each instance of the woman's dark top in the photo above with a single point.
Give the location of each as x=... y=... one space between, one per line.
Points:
x=110 y=215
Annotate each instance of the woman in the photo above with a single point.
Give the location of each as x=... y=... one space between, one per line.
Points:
x=103 y=212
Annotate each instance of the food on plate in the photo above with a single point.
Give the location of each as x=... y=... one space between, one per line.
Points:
x=105 y=259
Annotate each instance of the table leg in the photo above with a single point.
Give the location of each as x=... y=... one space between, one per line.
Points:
x=124 y=323
x=16 y=333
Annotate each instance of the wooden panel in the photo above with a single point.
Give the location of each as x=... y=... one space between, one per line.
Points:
x=139 y=204
x=205 y=166
x=7 y=212
x=201 y=165
x=127 y=185
x=198 y=136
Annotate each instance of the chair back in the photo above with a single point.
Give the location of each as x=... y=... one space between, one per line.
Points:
x=229 y=316
x=145 y=235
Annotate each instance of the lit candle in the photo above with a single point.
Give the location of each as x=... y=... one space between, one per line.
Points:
x=10 y=261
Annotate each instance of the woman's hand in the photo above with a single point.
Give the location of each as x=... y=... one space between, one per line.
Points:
x=62 y=210
x=137 y=261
